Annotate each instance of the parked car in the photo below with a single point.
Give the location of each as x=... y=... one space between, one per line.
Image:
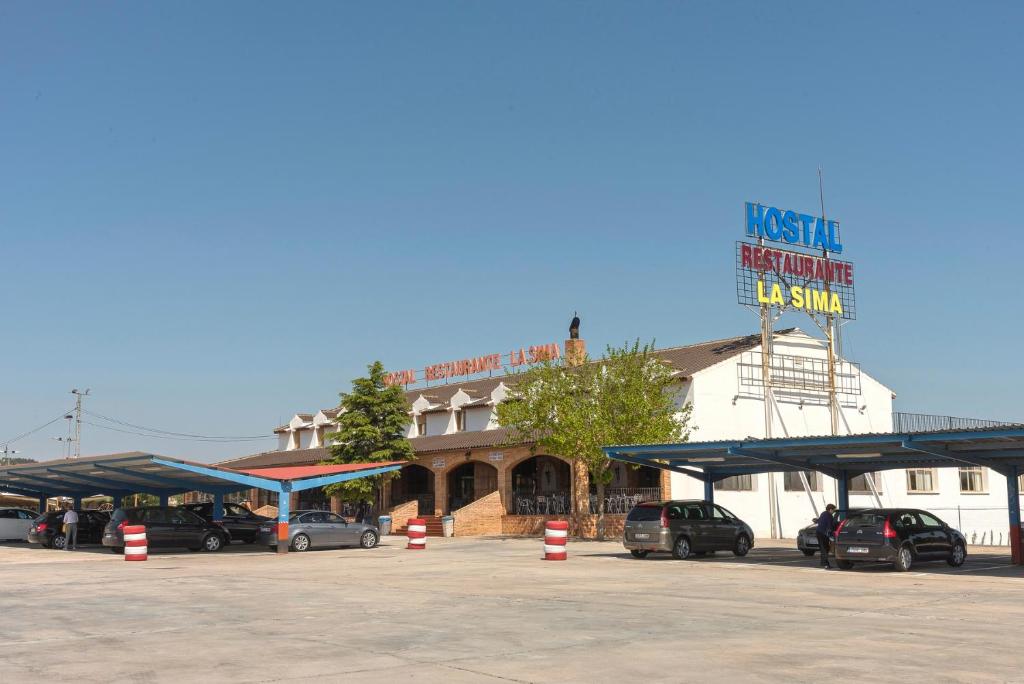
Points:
x=807 y=538
x=15 y=523
x=166 y=527
x=898 y=536
x=48 y=529
x=309 y=529
x=241 y=523
x=685 y=527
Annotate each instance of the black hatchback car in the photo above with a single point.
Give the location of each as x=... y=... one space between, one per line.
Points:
x=166 y=527
x=901 y=536
x=241 y=523
x=685 y=527
x=48 y=529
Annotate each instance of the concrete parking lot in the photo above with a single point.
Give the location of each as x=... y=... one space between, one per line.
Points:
x=478 y=610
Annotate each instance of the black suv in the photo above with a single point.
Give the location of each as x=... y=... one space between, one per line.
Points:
x=48 y=528
x=166 y=527
x=239 y=521
x=901 y=536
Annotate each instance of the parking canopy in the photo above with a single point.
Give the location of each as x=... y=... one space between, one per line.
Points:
x=119 y=475
x=844 y=456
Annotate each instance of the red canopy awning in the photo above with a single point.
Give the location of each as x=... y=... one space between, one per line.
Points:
x=300 y=472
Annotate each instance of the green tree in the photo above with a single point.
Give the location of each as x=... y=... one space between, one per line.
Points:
x=627 y=397
x=372 y=426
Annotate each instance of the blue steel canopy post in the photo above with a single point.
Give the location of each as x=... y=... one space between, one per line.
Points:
x=843 y=482
x=218 y=507
x=42 y=503
x=164 y=500
x=76 y=503
x=709 y=488
x=1013 y=501
x=284 y=497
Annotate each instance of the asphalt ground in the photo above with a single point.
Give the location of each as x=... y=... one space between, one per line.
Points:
x=489 y=610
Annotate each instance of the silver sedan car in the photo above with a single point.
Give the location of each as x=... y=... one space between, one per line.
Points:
x=320 y=529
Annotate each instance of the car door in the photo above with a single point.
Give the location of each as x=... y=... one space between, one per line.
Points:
x=678 y=524
x=916 y=533
x=25 y=518
x=240 y=522
x=343 y=532
x=317 y=529
x=696 y=521
x=726 y=527
x=159 y=530
x=189 y=528
x=8 y=523
x=937 y=533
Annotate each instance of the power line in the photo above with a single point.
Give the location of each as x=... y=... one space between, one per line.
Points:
x=172 y=433
x=35 y=430
x=214 y=440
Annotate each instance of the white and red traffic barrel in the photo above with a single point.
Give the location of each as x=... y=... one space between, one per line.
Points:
x=136 y=548
x=416 y=530
x=556 y=533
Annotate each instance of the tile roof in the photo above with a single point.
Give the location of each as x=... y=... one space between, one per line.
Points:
x=421 y=445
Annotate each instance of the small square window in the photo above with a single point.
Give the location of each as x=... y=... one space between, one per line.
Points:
x=792 y=482
x=421 y=425
x=736 y=483
x=973 y=480
x=921 y=480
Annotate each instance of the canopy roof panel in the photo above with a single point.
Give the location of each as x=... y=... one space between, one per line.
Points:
x=999 y=448
x=137 y=471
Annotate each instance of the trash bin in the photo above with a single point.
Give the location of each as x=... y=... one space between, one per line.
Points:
x=384 y=525
x=448 y=525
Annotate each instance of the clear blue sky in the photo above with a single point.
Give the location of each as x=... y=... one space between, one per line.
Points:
x=216 y=214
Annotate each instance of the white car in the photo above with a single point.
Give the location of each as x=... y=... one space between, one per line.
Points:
x=15 y=523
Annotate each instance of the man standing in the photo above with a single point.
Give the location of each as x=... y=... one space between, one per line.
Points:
x=826 y=526
x=70 y=529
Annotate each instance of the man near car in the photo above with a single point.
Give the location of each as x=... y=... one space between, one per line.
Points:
x=70 y=529
x=826 y=527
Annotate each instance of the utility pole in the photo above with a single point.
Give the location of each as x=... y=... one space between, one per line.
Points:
x=830 y=326
x=78 y=419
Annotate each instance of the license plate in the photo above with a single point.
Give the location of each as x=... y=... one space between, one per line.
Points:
x=856 y=549
x=811 y=542
x=641 y=535
x=264 y=529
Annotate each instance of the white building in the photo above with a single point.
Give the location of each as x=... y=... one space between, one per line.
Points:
x=721 y=379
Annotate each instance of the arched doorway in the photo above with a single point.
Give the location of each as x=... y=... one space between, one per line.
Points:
x=469 y=482
x=414 y=482
x=541 y=485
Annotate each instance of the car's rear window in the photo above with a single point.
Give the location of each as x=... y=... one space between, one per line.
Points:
x=644 y=514
x=866 y=520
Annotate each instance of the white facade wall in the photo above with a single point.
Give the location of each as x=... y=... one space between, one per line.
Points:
x=440 y=423
x=478 y=418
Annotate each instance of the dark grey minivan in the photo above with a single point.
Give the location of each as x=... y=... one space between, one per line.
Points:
x=685 y=527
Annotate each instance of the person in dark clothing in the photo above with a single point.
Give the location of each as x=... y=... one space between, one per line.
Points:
x=826 y=527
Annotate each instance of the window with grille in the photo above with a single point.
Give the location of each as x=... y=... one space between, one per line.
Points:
x=860 y=485
x=793 y=483
x=921 y=480
x=736 y=483
x=972 y=480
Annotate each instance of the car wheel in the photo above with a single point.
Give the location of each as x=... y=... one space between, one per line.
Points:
x=808 y=552
x=213 y=543
x=59 y=542
x=742 y=546
x=844 y=564
x=637 y=553
x=904 y=559
x=368 y=540
x=681 y=549
x=959 y=555
x=300 y=543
